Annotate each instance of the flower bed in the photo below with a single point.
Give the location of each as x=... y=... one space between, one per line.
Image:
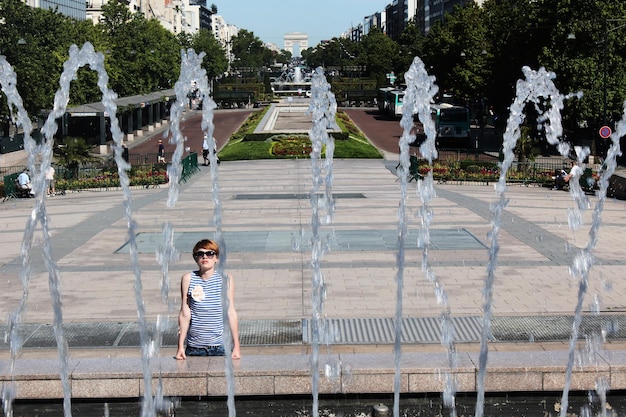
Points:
x=290 y=146
x=489 y=173
x=146 y=176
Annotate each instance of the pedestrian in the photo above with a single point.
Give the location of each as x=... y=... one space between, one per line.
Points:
x=201 y=316
x=50 y=181
x=161 y=152
x=125 y=152
x=205 y=150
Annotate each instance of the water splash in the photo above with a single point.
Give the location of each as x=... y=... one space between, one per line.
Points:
x=193 y=77
x=8 y=82
x=583 y=261
x=166 y=254
x=537 y=88
x=323 y=108
x=78 y=57
x=419 y=94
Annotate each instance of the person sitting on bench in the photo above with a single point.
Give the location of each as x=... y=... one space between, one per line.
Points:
x=23 y=183
x=563 y=178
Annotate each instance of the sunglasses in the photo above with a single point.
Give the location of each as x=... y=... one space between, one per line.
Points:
x=209 y=254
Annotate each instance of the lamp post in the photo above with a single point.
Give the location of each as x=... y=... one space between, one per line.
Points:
x=605 y=69
x=604 y=42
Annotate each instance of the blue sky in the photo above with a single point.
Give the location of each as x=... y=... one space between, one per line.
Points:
x=320 y=19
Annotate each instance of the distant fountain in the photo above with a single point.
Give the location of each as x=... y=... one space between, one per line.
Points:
x=290 y=82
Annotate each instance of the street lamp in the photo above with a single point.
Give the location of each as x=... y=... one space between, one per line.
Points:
x=572 y=36
x=605 y=70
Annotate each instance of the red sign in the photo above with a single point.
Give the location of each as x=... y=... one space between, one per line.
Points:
x=605 y=132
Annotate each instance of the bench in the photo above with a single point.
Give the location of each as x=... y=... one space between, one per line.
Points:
x=11 y=188
x=414 y=173
x=587 y=182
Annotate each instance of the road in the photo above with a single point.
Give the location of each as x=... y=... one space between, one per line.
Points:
x=383 y=132
x=226 y=123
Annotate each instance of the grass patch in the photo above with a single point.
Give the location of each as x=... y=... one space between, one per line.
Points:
x=356 y=146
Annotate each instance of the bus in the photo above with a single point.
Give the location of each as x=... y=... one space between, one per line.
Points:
x=452 y=124
x=390 y=101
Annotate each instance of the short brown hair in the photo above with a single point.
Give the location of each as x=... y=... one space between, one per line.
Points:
x=207 y=244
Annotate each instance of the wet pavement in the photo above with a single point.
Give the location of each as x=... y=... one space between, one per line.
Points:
x=266 y=222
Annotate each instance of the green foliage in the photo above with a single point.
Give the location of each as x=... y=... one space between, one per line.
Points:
x=248 y=50
x=337 y=52
x=143 y=56
x=377 y=52
x=73 y=153
x=238 y=148
x=215 y=62
x=144 y=176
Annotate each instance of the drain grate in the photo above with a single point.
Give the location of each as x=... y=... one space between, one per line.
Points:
x=333 y=331
x=382 y=330
x=296 y=196
x=270 y=332
x=115 y=334
x=554 y=328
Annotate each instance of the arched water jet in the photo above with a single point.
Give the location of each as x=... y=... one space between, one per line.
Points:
x=536 y=86
x=322 y=108
x=77 y=59
x=420 y=93
x=583 y=260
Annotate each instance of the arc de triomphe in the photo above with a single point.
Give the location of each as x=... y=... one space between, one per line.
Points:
x=296 y=38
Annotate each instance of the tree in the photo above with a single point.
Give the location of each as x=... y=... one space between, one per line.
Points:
x=72 y=154
x=377 y=53
x=411 y=45
x=517 y=36
x=142 y=55
x=38 y=56
x=457 y=52
x=215 y=62
x=584 y=45
x=247 y=50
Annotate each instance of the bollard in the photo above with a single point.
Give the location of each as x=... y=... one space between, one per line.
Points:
x=380 y=410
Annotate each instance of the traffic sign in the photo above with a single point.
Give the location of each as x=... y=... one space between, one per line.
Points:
x=605 y=132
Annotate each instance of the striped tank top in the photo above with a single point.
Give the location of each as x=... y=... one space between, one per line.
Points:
x=207 y=318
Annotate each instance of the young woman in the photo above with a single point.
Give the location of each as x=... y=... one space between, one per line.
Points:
x=201 y=316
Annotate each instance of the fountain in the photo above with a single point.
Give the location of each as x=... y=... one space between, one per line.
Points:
x=535 y=86
x=291 y=82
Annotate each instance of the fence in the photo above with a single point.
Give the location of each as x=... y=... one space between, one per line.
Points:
x=102 y=175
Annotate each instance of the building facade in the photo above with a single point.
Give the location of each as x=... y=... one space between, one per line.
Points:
x=177 y=16
x=400 y=13
x=72 y=8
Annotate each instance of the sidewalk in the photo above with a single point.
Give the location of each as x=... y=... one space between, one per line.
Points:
x=265 y=215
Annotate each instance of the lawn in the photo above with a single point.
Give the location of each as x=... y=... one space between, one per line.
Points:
x=244 y=145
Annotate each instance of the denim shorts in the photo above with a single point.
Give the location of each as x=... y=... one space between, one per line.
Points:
x=204 y=351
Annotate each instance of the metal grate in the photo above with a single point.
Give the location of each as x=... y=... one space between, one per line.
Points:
x=270 y=332
x=554 y=328
x=332 y=331
x=377 y=330
x=298 y=196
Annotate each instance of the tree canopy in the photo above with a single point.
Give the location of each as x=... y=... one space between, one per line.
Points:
x=476 y=53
